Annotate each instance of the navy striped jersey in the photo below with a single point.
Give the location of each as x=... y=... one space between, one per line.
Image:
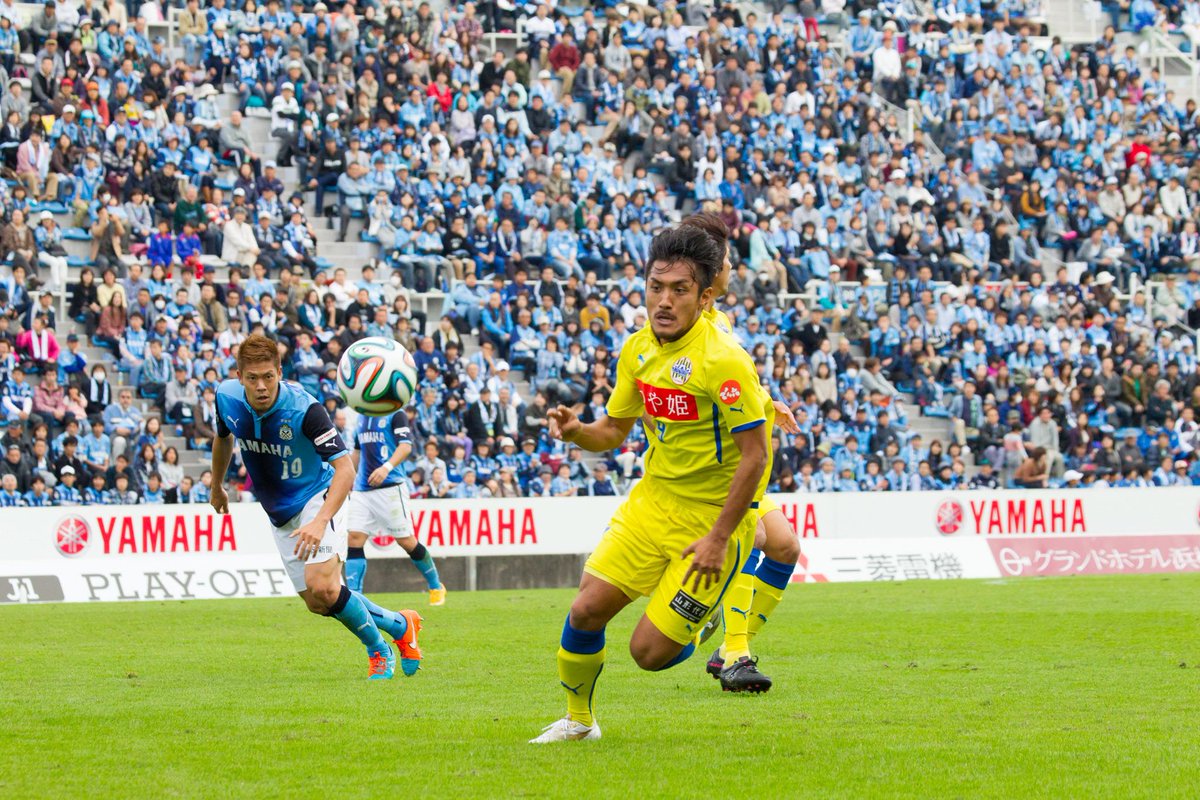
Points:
x=376 y=439
x=286 y=450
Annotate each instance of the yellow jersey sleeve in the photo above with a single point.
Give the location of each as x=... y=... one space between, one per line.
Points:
x=732 y=382
x=626 y=400
x=753 y=393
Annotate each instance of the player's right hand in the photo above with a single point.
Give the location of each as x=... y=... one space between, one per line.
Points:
x=218 y=499
x=708 y=556
x=564 y=424
x=379 y=475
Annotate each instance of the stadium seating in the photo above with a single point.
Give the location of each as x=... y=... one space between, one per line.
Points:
x=934 y=149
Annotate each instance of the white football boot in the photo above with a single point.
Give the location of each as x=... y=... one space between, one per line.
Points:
x=567 y=730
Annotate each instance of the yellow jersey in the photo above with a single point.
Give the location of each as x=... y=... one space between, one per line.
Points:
x=722 y=323
x=698 y=391
x=719 y=318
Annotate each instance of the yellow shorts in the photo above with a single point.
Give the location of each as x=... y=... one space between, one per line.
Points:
x=640 y=555
x=766 y=506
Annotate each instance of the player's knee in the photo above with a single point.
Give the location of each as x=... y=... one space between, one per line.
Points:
x=786 y=551
x=646 y=655
x=314 y=603
x=322 y=596
x=587 y=615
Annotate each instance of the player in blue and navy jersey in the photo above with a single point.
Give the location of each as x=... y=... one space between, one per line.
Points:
x=379 y=503
x=296 y=461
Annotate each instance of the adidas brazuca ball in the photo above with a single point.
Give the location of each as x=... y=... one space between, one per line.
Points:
x=376 y=376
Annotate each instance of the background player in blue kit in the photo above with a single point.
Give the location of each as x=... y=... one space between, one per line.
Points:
x=294 y=457
x=379 y=503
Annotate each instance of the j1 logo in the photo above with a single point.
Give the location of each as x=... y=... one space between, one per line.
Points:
x=21 y=591
x=30 y=589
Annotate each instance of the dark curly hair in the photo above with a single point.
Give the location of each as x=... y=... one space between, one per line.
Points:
x=692 y=245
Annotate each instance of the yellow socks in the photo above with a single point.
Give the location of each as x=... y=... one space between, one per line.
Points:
x=736 y=612
x=580 y=661
x=770 y=580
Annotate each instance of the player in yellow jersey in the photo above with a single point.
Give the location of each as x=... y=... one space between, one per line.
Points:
x=760 y=584
x=684 y=531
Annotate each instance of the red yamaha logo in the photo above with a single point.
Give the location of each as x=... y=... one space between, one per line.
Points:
x=949 y=517
x=72 y=536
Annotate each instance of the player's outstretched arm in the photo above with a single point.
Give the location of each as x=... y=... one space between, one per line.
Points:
x=603 y=434
x=709 y=551
x=222 y=453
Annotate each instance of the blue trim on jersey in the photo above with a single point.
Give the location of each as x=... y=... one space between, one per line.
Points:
x=717 y=430
x=746 y=427
x=737 y=559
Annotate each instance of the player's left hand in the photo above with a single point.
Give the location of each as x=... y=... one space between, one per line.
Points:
x=308 y=538
x=785 y=419
x=379 y=475
x=708 y=556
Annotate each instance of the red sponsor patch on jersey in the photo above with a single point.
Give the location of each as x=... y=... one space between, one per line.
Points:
x=672 y=404
x=731 y=392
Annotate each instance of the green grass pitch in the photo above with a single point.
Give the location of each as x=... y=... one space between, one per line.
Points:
x=1086 y=687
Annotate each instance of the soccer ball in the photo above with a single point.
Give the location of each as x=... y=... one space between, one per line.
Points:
x=376 y=376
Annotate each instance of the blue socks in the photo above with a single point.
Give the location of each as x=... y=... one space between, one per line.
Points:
x=356 y=568
x=424 y=562
x=775 y=573
x=683 y=656
x=351 y=612
x=389 y=622
x=577 y=641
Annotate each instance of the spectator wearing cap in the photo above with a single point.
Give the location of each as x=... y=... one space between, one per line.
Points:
x=51 y=252
x=269 y=180
x=17 y=396
x=71 y=362
x=181 y=396
x=66 y=492
x=601 y=484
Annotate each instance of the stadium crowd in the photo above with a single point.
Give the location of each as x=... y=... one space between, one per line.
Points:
x=993 y=271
